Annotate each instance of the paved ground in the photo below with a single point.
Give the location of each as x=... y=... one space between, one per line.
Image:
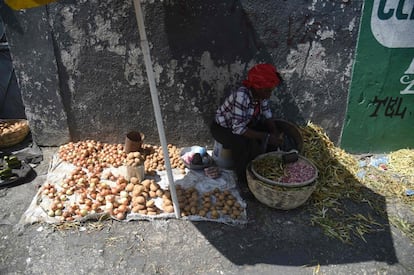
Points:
x=273 y=242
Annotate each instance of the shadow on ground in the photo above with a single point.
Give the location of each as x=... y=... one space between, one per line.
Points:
x=343 y=222
x=279 y=237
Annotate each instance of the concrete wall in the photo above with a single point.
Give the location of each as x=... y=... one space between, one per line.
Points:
x=82 y=75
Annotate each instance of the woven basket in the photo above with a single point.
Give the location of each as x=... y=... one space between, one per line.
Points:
x=14 y=135
x=279 y=155
x=279 y=197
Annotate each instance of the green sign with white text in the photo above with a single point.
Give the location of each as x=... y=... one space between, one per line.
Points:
x=380 y=115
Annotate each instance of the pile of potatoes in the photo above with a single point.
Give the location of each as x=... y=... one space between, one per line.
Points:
x=143 y=195
x=155 y=158
x=215 y=204
x=135 y=159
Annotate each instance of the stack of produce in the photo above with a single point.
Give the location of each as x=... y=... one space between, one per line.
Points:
x=80 y=195
x=214 y=205
x=274 y=169
x=94 y=188
x=95 y=156
x=7 y=165
x=13 y=131
x=337 y=182
x=155 y=158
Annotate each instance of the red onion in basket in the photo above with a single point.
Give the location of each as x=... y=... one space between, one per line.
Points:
x=299 y=171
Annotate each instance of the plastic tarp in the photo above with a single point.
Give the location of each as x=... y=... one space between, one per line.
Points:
x=59 y=170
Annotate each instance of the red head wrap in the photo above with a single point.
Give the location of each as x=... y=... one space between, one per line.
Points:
x=262 y=76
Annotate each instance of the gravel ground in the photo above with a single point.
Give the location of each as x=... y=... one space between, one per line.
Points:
x=273 y=242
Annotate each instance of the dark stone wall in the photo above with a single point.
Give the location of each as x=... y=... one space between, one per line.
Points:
x=33 y=55
x=82 y=62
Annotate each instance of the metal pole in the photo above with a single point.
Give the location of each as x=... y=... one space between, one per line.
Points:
x=155 y=102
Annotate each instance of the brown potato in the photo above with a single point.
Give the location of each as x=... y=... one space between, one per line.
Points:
x=129 y=187
x=152 y=209
x=134 y=180
x=193 y=203
x=167 y=202
x=135 y=193
x=150 y=203
x=139 y=199
x=169 y=208
x=167 y=194
x=159 y=193
x=146 y=183
x=206 y=199
x=154 y=186
x=140 y=206
x=214 y=214
x=236 y=212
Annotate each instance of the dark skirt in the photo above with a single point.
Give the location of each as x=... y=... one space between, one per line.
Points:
x=243 y=150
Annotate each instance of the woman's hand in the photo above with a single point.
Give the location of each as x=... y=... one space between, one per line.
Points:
x=276 y=139
x=273 y=139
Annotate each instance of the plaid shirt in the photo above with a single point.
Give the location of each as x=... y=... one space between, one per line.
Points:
x=237 y=110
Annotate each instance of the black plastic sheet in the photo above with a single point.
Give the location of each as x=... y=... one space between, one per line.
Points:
x=29 y=154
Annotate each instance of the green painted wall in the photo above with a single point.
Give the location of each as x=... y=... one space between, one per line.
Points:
x=380 y=108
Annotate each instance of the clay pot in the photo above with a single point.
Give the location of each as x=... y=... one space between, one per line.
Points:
x=133 y=141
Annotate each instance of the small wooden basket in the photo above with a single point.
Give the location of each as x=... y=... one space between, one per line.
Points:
x=13 y=131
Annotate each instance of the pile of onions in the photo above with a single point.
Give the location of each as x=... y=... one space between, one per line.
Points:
x=80 y=195
x=93 y=155
x=272 y=167
x=299 y=171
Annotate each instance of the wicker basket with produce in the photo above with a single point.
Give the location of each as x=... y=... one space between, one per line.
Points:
x=13 y=131
x=279 y=184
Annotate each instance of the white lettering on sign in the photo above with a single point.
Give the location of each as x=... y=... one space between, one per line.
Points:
x=409 y=90
x=392 y=23
x=410 y=69
x=405 y=80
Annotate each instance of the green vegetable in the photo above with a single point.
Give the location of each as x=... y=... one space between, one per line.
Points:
x=6 y=173
x=12 y=162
